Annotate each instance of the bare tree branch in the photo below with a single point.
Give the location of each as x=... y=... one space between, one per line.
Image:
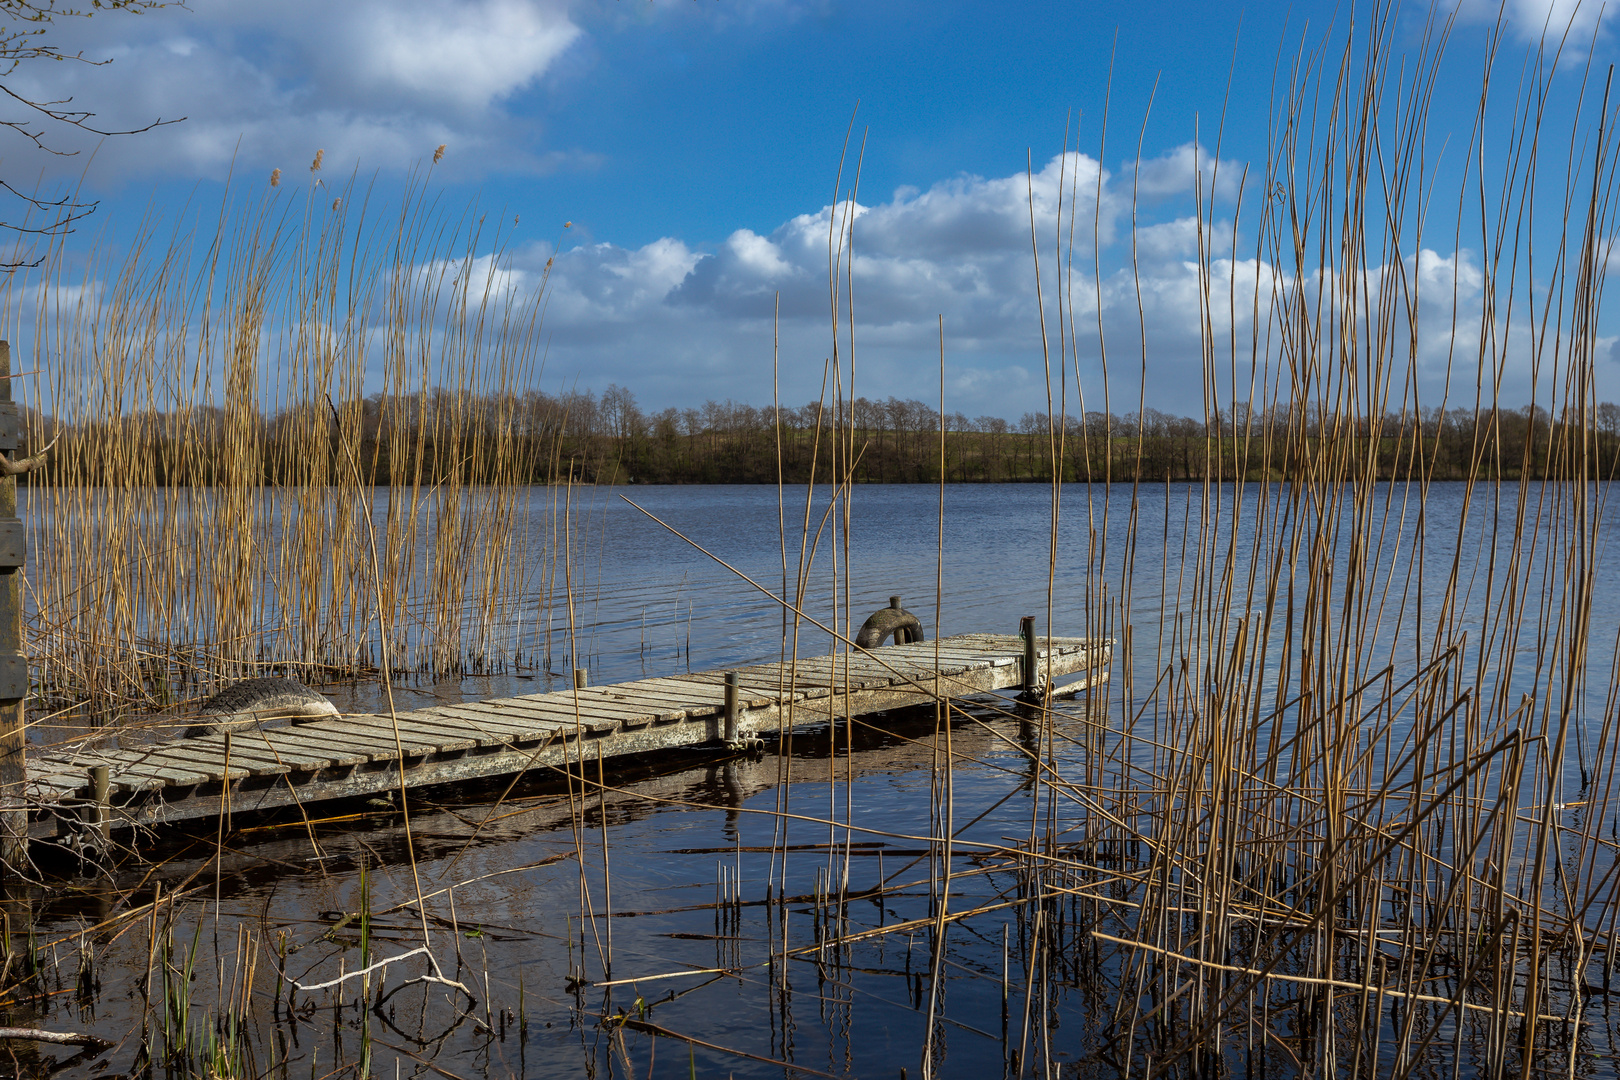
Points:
x=22 y=26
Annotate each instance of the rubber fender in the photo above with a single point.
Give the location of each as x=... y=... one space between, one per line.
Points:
x=893 y=620
x=252 y=700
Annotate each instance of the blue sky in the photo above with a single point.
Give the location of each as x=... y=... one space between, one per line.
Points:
x=694 y=144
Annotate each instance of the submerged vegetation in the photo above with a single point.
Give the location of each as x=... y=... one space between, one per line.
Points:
x=1345 y=808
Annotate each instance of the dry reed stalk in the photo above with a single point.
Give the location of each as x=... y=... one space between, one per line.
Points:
x=188 y=380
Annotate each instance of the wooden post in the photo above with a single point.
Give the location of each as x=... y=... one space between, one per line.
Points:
x=1026 y=630
x=731 y=706
x=100 y=804
x=894 y=602
x=582 y=678
x=13 y=665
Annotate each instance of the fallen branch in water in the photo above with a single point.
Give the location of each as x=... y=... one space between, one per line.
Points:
x=438 y=976
x=61 y=1038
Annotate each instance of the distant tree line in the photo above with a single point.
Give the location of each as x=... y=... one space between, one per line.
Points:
x=536 y=437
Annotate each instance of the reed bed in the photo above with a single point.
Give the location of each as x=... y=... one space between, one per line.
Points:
x=217 y=455
x=1345 y=807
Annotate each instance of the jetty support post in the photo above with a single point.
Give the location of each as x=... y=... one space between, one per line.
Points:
x=582 y=678
x=13 y=664
x=731 y=707
x=100 y=805
x=1032 y=675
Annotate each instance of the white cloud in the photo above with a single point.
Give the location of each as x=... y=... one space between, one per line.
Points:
x=679 y=324
x=1545 y=20
x=375 y=81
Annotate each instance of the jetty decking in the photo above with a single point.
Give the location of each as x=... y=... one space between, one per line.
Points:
x=263 y=768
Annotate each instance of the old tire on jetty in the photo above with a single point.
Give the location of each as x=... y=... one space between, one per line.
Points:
x=895 y=620
x=252 y=700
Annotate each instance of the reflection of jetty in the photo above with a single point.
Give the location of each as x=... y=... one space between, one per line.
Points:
x=269 y=767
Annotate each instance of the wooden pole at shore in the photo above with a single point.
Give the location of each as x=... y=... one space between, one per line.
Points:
x=13 y=664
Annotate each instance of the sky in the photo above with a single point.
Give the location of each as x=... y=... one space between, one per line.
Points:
x=694 y=146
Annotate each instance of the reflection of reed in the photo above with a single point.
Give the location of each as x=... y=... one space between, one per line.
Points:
x=1349 y=822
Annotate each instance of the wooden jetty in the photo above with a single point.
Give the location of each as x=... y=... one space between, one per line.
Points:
x=73 y=791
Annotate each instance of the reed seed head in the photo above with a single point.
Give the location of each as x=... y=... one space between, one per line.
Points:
x=275 y=177
x=438 y=155
x=315 y=166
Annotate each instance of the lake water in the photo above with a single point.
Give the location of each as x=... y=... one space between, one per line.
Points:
x=540 y=895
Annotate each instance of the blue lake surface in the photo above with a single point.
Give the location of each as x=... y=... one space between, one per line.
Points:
x=539 y=896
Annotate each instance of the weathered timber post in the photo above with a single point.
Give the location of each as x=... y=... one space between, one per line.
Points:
x=1032 y=677
x=582 y=678
x=100 y=806
x=731 y=706
x=13 y=665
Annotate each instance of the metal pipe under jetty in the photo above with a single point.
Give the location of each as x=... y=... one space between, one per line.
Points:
x=266 y=768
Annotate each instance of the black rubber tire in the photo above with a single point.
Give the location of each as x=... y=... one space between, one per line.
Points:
x=899 y=623
x=242 y=703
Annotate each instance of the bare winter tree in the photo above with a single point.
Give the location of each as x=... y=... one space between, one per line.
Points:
x=25 y=37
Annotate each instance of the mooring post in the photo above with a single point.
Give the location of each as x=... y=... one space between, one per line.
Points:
x=13 y=665
x=582 y=678
x=100 y=801
x=731 y=706
x=225 y=785
x=1026 y=630
x=894 y=602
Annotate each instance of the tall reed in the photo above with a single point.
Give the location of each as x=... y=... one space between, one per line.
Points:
x=230 y=399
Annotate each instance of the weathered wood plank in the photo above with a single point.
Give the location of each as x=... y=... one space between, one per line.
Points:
x=415 y=737
x=537 y=730
x=591 y=707
x=333 y=748
x=543 y=716
x=508 y=727
x=424 y=735
x=696 y=699
x=248 y=745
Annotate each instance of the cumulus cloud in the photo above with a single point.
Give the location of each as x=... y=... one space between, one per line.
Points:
x=681 y=324
x=1544 y=20
x=379 y=81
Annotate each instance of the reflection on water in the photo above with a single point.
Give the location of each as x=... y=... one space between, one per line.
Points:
x=725 y=916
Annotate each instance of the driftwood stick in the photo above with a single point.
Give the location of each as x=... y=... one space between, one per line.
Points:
x=363 y=971
x=437 y=977
x=61 y=1038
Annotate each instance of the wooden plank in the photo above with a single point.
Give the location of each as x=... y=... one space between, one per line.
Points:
x=748 y=697
x=530 y=710
x=427 y=735
x=592 y=707
x=160 y=767
x=696 y=698
x=342 y=741
x=661 y=709
x=776 y=685
x=249 y=745
x=447 y=732
x=414 y=738
x=887 y=677
x=861 y=675
x=504 y=727
x=287 y=742
x=181 y=767
x=923 y=652
x=563 y=703
x=661 y=712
